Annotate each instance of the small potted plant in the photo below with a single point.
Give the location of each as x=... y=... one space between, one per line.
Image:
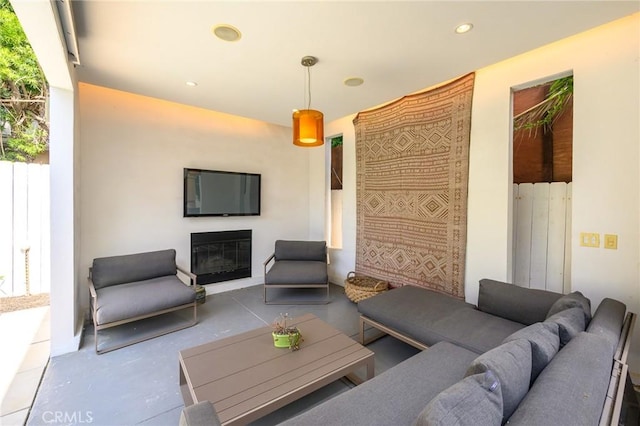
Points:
x=285 y=336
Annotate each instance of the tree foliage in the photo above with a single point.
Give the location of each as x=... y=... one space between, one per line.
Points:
x=23 y=93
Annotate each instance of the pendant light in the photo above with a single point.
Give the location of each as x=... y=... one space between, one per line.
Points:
x=308 y=124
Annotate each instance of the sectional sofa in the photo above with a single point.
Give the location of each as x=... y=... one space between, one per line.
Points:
x=521 y=356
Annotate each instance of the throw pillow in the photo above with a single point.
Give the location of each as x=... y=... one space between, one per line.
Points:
x=475 y=400
x=572 y=300
x=511 y=364
x=544 y=341
x=570 y=324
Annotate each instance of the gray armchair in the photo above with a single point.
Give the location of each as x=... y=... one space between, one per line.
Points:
x=297 y=264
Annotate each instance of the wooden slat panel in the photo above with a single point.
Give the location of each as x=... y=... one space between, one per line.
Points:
x=20 y=235
x=523 y=248
x=568 y=238
x=556 y=236
x=539 y=236
x=6 y=227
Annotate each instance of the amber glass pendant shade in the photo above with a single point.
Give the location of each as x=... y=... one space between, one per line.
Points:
x=308 y=128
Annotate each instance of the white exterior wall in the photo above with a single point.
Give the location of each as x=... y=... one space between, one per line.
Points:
x=133 y=151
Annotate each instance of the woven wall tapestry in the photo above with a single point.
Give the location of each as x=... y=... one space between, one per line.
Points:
x=412 y=168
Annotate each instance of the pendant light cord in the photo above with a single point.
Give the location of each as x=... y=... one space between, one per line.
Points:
x=309 y=85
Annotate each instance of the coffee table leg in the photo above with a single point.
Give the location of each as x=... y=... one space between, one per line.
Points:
x=370 y=368
x=369 y=364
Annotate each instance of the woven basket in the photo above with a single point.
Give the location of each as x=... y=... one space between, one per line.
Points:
x=360 y=287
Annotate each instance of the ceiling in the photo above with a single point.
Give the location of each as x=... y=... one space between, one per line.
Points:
x=153 y=48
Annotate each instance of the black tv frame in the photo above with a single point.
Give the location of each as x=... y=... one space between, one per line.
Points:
x=185 y=213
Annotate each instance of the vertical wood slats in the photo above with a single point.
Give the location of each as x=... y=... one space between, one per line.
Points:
x=24 y=221
x=542 y=236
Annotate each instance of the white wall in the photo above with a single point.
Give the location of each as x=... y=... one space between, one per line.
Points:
x=133 y=151
x=606 y=165
x=343 y=260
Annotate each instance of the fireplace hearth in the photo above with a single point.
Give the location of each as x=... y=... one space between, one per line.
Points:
x=221 y=256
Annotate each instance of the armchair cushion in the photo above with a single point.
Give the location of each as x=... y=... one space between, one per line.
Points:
x=297 y=272
x=129 y=300
x=301 y=250
x=107 y=271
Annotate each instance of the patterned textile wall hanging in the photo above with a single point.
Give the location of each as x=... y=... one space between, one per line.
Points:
x=412 y=169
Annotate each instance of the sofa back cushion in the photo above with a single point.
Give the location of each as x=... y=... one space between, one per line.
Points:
x=475 y=400
x=524 y=305
x=545 y=343
x=108 y=271
x=572 y=300
x=511 y=364
x=570 y=324
x=301 y=250
x=573 y=387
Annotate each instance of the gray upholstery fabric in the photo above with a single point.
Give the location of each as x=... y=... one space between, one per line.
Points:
x=107 y=271
x=412 y=311
x=511 y=364
x=572 y=389
x=570 y=324
x=397 y=396
x=545 y=343
x=142 y=297
x=607 y=321
x=200 y=414
x=301 y=250
x=474 y=330
x=476 y=400
x=523 y=305
x=297 y=272
x=572 y=300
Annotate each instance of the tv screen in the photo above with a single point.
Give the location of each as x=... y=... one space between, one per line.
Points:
x=218 y=193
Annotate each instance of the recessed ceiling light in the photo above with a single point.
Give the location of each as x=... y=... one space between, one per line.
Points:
x=353 y=81
x=226 y=32
x=464 y=28
x=191 y=83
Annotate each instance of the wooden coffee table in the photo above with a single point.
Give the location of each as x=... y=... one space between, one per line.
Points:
x=246 y=377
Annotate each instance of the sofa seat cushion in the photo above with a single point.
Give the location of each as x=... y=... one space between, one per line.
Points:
x=573 y=387
x=511 y=364
x=395 y=397
x=125 y=301
x=475 y=400
x=607 y=321
x=474 y=330
x=412 y=311
x=115 y=270
x=545 y=343
x=297 y=272
x=510 y=301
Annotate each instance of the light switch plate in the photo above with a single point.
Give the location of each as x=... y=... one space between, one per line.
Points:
x=589 y=239
x=611 y=241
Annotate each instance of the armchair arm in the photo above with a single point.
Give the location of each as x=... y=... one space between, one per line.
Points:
x=192 y=276
x=266 y=262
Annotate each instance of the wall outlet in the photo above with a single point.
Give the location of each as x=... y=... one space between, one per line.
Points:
x=589 y=239
x=611 y=241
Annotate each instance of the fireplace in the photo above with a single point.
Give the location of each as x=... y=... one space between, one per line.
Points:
x=221 y=256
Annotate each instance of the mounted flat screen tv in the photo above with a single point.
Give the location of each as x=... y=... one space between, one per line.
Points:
x=218 y=193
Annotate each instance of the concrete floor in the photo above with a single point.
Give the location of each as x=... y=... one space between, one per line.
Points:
x=138 y=384
x=25 y=353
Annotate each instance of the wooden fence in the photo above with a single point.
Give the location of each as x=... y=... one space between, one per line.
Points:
x=542 y=236
x=24 y=229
